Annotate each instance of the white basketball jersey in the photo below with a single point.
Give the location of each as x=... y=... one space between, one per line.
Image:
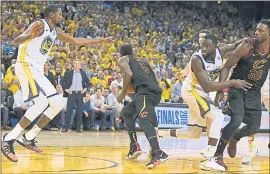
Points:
x=35 y=51
x=213 y=69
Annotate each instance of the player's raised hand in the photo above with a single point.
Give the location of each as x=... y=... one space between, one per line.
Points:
x=108 y=40
x=242 y=84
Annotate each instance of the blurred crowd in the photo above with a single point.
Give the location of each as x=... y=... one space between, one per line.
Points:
x=164 y=34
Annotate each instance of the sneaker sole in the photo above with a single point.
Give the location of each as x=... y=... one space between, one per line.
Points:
x=10 y=159
x=135 y=155
x=28 y=147
x=153 y=166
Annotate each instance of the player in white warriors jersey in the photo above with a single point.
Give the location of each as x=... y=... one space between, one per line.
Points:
x=34 y=46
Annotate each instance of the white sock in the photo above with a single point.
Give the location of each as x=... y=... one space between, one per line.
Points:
x=251 y=144
x=164 y=132
x=210 y=151
x=14 y=133
x=30 y=135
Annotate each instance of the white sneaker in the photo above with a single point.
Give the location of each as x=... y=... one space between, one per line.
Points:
x=210 y=164
x=249 y=156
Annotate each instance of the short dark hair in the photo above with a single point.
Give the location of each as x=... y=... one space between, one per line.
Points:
x=51 y=8
x=265 y=22
x=126 y=50
x=205 y=31
x=211 y=37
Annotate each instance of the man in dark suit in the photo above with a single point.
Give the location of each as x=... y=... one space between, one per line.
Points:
x=76 y=83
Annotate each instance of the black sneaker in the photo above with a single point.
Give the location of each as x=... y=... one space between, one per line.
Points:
x=7 y=149
x=134 y=152
x=157 y=159
x=29 y=144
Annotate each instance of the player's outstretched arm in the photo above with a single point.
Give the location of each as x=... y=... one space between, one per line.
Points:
x=34 y=30
x=79 y=41
x=206 y=84
x=224 y=48
x=241 y=51
x=123 y=63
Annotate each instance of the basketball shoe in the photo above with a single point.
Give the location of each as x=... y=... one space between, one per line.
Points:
x=157 y=158
x=29 y=144
x=7 y=149
x=134 y=152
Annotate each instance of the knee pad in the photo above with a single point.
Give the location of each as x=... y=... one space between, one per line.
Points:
x=56 y=104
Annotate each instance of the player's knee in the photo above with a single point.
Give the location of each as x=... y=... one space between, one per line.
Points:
x=124 y=113
x=253 y=131
x=235 y=123
x=56 y=103
x=143 y=122
x=41 y=101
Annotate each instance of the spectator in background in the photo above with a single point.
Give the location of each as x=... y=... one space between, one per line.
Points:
x=113 y=108
x=86 y=112
x=5 y=93
x=97 y=109
x=20 y=106
x=76 y=84
x=59 y=79
x=118 y=81
x=48 y=74
x=176 y=90
x=12 y=80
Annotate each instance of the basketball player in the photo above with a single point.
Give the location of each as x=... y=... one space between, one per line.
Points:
x=195 y=127
x=34 y=46
x=141 y=77
x=252 y=64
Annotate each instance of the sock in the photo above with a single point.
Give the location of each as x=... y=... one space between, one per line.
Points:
x=30 y=135
x=251 y=143
x=210 y=151
x=132 y=137
x=154 y=143
x=221 y=147
x=14 y=133
x=164 y=132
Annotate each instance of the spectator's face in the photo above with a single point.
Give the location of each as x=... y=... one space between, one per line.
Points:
x=99 y=92
x=59 y=89
x=207 y=47
x=13 y=70
x=87 y=97
x=58 y=71
x=115 y=90
x=58 y=65
x=46 y=67
x=67 y=65
x=119 y=75
x=176 y=99
x=77 y=65
x=5 y=86
x=13 y=61
x=106 y=92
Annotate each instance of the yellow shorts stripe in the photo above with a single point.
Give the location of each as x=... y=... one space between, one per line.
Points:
x=200 y=100
x=144 y=105
x=27 y=70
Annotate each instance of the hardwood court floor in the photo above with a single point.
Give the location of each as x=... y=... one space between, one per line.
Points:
x=93 y=152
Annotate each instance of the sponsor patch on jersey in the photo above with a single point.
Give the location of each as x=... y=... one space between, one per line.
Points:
x=46 y=45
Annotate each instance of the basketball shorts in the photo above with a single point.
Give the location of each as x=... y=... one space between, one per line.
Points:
x=199 y=108
x=244 y=103
x=33 y=81
x=143 y=103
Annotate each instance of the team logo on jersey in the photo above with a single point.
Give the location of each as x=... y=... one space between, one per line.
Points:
x=214 y=75
x=46 y=45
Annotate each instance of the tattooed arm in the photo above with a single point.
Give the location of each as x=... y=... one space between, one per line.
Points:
x=123 y=63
